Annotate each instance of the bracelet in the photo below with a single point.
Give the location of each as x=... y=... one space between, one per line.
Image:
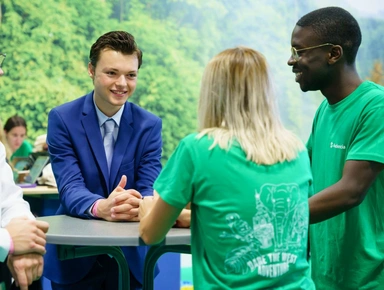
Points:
x=11 y=247
x=94 y=209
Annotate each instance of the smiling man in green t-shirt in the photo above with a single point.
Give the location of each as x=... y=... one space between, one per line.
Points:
x=346 y=148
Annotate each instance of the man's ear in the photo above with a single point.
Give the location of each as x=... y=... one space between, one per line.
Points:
x=91 y=70
x=335 y=54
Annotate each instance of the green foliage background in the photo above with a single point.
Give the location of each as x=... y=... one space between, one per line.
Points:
x=47 y=44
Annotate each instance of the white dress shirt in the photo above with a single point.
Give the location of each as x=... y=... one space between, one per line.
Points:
x=12 y=203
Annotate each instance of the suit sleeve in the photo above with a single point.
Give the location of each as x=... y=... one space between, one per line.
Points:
x=73 y=193
x=150 y=161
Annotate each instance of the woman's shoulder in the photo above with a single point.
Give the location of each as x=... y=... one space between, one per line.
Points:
x=196 y=139
x=27 y=145
x=24 y=150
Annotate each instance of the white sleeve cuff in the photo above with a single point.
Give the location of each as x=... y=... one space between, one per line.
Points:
x=5 y=244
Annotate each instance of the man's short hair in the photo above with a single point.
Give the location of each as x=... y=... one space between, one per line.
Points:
x=120 y=41
x=337 y=26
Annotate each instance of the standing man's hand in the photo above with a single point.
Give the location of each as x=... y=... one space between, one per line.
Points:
x=25 y=269
x=28 y=236
x=121 y=204
x=126 y=206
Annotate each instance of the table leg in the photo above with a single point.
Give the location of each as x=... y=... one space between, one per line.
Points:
x=154 y=253
x=72 y=252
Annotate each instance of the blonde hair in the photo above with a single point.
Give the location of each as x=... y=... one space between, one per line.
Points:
x=237 y=103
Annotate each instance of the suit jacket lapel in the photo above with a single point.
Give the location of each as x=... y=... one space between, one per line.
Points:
x=122 y=143
x=92 y=130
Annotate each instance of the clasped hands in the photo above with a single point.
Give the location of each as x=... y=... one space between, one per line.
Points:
x=121 y=204
x=124 y=205
x=26 y=262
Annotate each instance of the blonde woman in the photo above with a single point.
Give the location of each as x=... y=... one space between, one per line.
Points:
x=247 y=179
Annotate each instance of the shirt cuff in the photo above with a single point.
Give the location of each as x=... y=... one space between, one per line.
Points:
x=94 y=208
x=5 y=244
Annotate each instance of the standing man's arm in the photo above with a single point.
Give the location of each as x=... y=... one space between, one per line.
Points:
x=74 y=196
x=349 y=192
x=364 y=162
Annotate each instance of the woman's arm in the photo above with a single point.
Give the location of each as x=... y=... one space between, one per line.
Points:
x=156 y=218
x=184 y=219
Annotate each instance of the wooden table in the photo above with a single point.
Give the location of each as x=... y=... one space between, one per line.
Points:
x=43 y=200
x=40 y=190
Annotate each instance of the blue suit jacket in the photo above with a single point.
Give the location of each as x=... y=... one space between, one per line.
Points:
x=80 y=167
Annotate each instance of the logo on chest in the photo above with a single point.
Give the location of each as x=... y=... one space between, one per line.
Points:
x=337 y=146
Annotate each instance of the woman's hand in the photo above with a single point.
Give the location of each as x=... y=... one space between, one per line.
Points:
x=146 y=206
x=184 y=219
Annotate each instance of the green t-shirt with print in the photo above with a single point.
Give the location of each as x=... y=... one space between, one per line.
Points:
x=249 y=222
x=24 y=150
x=348 y=250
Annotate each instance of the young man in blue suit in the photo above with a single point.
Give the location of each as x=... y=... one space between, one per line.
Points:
x=88 y=179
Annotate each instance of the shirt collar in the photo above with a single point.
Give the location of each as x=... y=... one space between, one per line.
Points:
x=101 y=117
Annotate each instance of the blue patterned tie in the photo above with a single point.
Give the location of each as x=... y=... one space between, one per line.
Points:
x=109 y=142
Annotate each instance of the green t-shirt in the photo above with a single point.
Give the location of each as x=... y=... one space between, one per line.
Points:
x=348 y=250
x=249 y=222
x=24 y=150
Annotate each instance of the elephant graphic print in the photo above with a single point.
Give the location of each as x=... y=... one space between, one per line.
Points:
x=277 y=234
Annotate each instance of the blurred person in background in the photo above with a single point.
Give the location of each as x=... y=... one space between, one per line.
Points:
x=15 y=130
x=47 y=177
x=40 y=144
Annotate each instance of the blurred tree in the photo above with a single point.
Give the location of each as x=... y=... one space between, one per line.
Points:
x=377 y=74
x=46 y=55
x=371 y=49
x=168 y=82
x=47 y=44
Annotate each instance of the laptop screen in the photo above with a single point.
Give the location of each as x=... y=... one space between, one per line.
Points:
x=22 y=163
x=36 y=169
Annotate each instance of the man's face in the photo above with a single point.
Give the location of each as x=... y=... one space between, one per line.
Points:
x=114 y=80
x=311 y=69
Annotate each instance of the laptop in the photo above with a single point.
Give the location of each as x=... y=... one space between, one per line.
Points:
x=22 y=163
x=34 y=172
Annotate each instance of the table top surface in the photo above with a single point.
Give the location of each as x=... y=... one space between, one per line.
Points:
x=40 y=190
x=66 y=230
